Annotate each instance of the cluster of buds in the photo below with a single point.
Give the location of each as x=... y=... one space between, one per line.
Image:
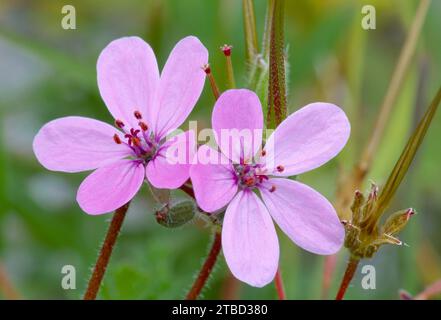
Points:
x=365 y=233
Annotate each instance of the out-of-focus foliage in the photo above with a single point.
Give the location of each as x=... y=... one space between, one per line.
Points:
x=47 y=72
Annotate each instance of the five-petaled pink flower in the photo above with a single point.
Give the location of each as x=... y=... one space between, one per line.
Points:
x=146 y=107
x=304 y=141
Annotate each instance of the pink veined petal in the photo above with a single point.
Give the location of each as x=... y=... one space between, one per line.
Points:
x=170 y=168
x=249 y=240
x=305 y=216
x=238 y=121
x=307 y=139
x=74 y=144
x=110 y=187
x=128 y=78
x=181 y=84
x=213 y=180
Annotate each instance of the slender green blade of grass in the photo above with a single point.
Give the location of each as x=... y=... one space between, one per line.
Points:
x=249 y=21
x=401 y=167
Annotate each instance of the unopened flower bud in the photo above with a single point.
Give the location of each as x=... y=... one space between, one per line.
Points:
x=176 y=215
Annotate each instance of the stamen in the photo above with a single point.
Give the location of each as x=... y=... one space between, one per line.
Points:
x=138 y=115
x=226 y=49
x=117 y=139
x=206 y=68
x=280 y=168
x=134 y=132
x=272 y=189
x=263 y=153
x=119 y=123
x=214 y=87
x=144 y=127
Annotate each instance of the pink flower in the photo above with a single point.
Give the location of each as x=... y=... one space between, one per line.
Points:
x=146 y=106
x=255 y=192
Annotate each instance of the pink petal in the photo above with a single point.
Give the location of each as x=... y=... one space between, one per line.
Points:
x=238 y=121
x=74 y=144
x=128 y=78
x=213 y=180
x=110 y=187
x=305 y=216
x=170 y=168
x=249 y=240
x=182 y=81
x=307 y=139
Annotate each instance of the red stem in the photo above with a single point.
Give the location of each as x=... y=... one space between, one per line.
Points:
x=279 y=286
x=205 y=272
x=105 y=253
x=188 y=190
x=349 y=274
x=6 y=287
x=328 y=272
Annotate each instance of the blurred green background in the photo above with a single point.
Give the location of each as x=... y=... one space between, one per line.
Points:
x=48 y=72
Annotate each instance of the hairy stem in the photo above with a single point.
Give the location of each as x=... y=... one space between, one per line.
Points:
x=207 y=268
x=328 y=272
x=280 y=288
x=277 y=109
x=347 y=278
x=105 y=253
x=188 y=190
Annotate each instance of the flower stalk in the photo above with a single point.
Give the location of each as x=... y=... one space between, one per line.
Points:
x=280 y=288
x=105 y=253
x=351 y=268
x=206 y=269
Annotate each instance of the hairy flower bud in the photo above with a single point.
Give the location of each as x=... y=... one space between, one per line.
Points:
x=176 y=215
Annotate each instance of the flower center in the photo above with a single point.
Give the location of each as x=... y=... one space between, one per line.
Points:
x=140 y=140
x=249 y=176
